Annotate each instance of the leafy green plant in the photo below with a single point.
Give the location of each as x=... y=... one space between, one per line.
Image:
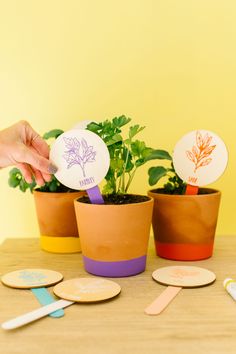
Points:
x=174 y=184
x=16 y=179
x=126 y=154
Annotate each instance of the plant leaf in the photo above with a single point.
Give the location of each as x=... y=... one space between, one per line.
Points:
x=134 y=130
x=120 y=121
x=158 y=155
x=114 y=139
x=13 y=181
x=93 y=127
x=137 y=148
x=54 y=133
x=156 y=173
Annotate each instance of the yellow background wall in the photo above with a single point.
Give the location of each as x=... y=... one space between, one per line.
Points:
x=168 y=64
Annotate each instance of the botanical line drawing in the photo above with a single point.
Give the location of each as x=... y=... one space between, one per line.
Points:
x=200 y=153
x=78 y=153
x=183 y=273
x=32 y=276
x=93 y=287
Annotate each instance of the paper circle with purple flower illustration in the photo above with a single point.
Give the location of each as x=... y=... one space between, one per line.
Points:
x=200 y=157
x=82 y=159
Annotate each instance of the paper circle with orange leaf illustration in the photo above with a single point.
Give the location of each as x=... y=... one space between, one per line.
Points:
x=200 y=157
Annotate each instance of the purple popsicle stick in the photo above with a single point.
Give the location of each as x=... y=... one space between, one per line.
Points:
x=95 y=195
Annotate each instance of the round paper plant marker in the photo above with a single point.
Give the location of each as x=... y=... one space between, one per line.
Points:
x=31 y=278
x=84 y=290
x=82 y=159
x=177 y=277
x=36 y=280
x=87 y=289
x=200 y=158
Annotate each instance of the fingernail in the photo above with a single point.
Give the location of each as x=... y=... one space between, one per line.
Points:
x=52 y=169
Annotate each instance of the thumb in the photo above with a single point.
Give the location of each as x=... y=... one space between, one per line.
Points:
x=37 y=161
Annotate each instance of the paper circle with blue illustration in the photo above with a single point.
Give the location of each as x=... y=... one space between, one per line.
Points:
x=200 y=157
x=82 y=159
x=31 y=278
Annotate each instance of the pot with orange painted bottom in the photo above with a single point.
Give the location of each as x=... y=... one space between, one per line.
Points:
x=184 y=225
x=114 y=238
x=57 y=221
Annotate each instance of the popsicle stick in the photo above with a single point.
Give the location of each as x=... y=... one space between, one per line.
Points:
x=95 y=195
x=36 y=314
x=163 y=300
x=45 y=298
x=191 y=190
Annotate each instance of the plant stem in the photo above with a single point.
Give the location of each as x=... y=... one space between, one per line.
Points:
x=131 y=176
x=122 y=177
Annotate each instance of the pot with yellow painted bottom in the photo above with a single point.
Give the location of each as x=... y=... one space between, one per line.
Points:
x=184 y=225
x=57 y=221
x=114 y=238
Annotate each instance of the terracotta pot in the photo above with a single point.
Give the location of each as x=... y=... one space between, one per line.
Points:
x=57 y=221
x=114 y=238
x=184 y=225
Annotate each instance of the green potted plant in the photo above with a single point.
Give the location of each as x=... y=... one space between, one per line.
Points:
x=54 y=208
x=183 y=225
x=114 y=235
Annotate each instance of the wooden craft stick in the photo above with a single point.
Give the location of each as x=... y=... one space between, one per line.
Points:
x=163 y=300
x=36 y=314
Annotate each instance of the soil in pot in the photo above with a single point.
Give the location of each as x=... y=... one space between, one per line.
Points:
x=118 y=199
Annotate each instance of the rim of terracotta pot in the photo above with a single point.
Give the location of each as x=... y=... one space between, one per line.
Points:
x=211 y=192
x=150 y=199
x=56 y=193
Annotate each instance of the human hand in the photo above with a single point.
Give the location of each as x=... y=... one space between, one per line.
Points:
x=22 y=147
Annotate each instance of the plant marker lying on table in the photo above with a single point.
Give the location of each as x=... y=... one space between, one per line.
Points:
x=84 y=290
x=199 y=158
x=177 y=277
x=82 y=159
x=36 y=280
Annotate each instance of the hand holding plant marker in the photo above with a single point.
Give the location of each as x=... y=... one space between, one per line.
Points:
x=17 y=180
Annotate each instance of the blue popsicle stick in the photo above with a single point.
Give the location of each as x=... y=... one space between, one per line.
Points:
x=45 y=298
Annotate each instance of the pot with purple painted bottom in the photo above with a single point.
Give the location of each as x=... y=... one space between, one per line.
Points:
x=114 y=237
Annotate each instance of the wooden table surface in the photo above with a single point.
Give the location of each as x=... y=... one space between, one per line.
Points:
x=199 y=320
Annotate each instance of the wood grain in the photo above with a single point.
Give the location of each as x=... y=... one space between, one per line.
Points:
x=197 y=321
